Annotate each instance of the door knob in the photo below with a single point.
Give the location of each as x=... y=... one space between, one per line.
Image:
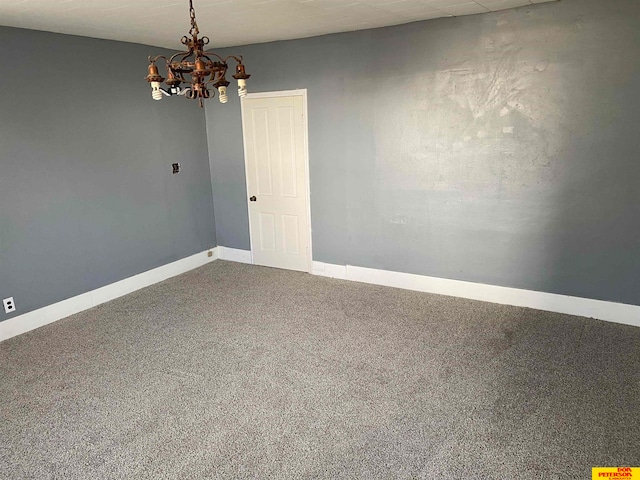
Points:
x=253 y=199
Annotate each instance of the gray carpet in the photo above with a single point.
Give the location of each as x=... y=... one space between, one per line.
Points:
x=236 y=371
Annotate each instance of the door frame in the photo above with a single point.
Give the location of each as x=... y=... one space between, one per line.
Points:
x=305 y=128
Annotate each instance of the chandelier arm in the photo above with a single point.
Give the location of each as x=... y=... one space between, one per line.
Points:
x=204 y=55
x=182 y=79
x=214 y=54
x=156 y=58
x=215 y=78
x=184 y=54
x=222 y=74
x=238 y=59
x=213 y=67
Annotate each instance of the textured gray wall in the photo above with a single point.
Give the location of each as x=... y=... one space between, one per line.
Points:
x=501 y=148
x=86 y=191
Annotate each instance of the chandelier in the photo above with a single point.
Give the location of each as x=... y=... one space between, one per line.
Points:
x=196 y=69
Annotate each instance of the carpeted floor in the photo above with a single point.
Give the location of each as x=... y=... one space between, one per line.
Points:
x=236 y=371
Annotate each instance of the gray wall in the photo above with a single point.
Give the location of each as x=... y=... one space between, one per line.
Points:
x=87 y=197
x=501 y=148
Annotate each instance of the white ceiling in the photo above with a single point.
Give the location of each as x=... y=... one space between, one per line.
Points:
x=230 y=22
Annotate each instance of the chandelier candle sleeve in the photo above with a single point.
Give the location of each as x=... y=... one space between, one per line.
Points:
x=195 y=73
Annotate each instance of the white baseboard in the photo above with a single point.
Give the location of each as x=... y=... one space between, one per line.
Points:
x=235 y=255
x=583 y=307
x=51 y=313
x=329 y=270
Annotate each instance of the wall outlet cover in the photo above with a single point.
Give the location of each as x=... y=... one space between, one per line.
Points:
x=9 y=305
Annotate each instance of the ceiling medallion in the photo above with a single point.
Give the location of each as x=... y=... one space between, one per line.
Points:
x=195 y=68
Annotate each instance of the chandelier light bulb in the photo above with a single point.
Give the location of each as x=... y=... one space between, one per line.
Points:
x=156 y=93
x=242 y=88
x=222 y=94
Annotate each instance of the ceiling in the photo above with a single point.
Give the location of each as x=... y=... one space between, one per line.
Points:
x=230 y=22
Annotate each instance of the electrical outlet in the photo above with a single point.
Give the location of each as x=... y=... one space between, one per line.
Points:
x=9 y=305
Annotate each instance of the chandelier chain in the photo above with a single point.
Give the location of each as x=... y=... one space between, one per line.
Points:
x=194 y=25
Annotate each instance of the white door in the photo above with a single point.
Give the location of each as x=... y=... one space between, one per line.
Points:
x=277 y=185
